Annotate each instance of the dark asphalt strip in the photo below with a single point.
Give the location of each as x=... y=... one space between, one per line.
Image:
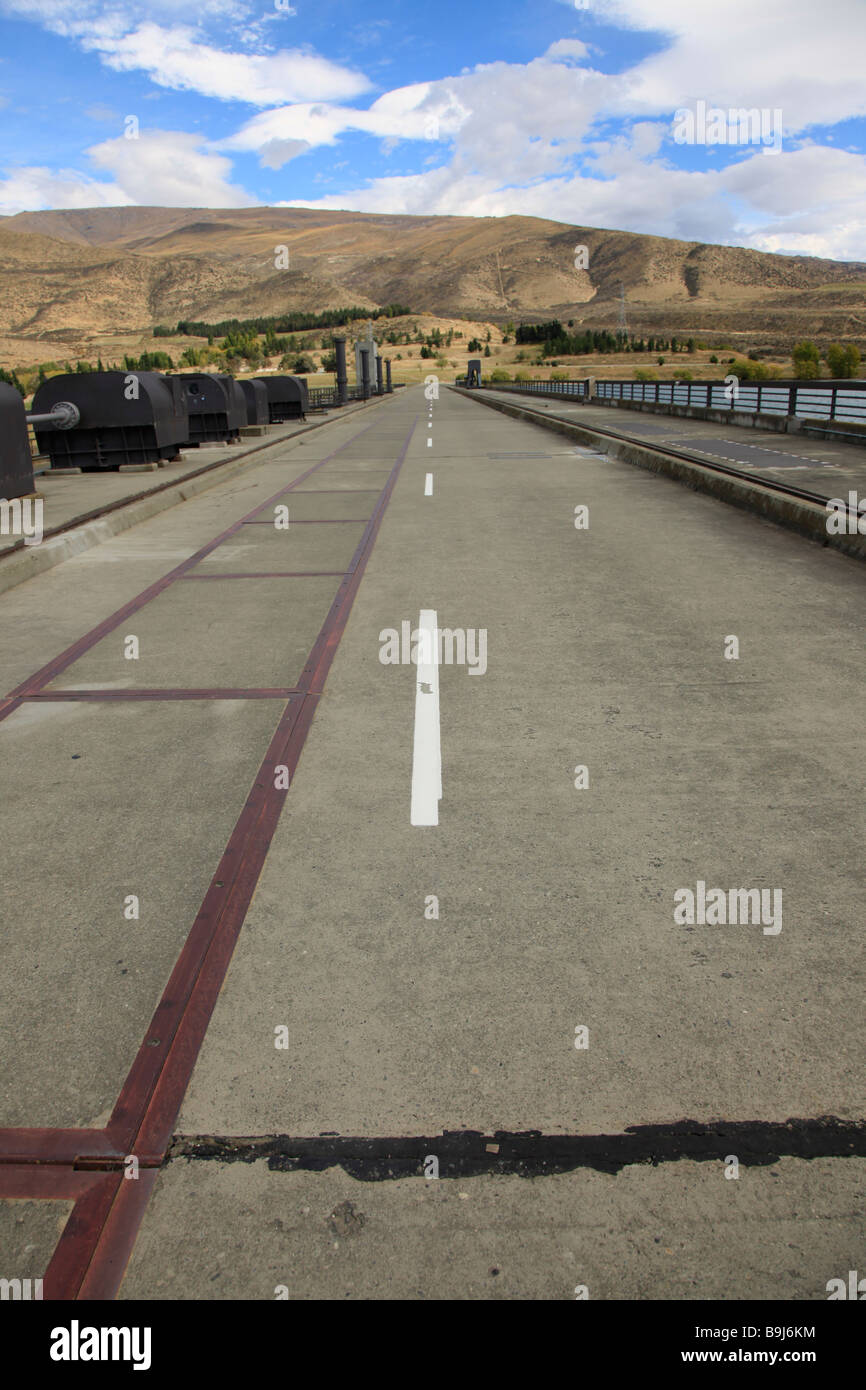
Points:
x=530 y=1154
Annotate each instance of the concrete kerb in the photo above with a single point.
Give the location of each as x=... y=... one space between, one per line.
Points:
x=796 y=514
x=25 y=562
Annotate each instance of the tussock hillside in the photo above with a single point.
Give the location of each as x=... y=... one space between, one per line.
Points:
x=82 y=279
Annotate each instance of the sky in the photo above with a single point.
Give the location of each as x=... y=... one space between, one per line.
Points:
x=601 y=113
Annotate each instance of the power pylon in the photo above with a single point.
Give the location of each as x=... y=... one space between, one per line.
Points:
x=622 y=326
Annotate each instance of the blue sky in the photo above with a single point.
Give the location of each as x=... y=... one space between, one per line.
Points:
x=595 y=112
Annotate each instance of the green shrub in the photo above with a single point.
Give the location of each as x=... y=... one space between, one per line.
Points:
x=750 y=371
x=297 y=366
x=195 y=357
x=843 y=361
x=11 y=379
x=807 y=362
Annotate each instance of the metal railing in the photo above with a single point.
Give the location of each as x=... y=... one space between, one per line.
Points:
x=323 y=396
x=807 y=400
x=830 y=400
x=542 y=388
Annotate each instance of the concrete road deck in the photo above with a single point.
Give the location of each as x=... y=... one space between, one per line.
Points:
x=605 y=649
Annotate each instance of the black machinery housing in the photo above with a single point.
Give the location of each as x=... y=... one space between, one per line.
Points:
x=287 y=398
x=16 y=460
x=217 y=407
x=124 y=418
x=256 y=396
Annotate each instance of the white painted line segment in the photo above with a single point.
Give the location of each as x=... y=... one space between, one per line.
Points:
x=427 y=747
x=428 y=485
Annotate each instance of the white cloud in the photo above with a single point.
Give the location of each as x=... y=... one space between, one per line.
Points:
x=568 y=49
x=276 y=153
x=162 y=168
x=817 y=176
x=776 y=53
x=517 y=122
x=170 y=168
x=33 y=188
x=178 y=58
x=424 y=111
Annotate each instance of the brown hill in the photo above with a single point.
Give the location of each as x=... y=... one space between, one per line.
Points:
x=84 y=278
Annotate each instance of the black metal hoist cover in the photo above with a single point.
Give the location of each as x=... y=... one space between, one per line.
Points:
x=217 y=407
x=125 y=418
x=16 y=460
x=256 y=396
x=288 y=398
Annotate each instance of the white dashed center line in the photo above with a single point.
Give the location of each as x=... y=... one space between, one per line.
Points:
x=426 y=750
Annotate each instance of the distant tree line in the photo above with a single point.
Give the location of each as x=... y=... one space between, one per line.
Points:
x=293 y=321
x=149 y=362
x=556 y=341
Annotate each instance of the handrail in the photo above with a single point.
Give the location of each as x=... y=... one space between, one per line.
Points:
x=814 y=400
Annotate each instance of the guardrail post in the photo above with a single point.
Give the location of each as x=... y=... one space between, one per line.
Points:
x=342 y=379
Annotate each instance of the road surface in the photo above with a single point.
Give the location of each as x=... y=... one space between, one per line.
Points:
x=266 y=1009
